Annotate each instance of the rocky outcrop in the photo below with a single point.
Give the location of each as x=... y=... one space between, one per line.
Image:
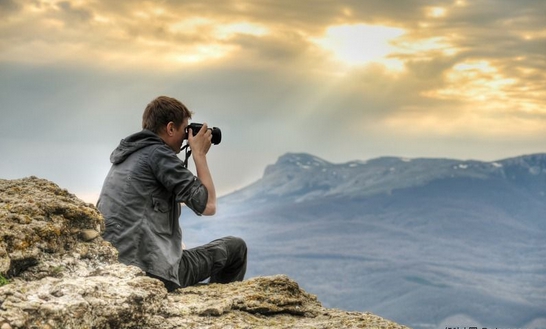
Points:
x=57 y=272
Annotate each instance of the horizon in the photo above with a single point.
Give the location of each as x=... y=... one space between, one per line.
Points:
x=93 y=198
x=418 y=157
x=341 y=80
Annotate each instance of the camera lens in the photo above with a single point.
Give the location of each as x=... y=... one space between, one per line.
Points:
x=216 y=135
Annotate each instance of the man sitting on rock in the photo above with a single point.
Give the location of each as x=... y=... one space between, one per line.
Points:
x=141 y=196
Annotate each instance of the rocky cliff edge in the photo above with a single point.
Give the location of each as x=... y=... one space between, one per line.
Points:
x=57 y=272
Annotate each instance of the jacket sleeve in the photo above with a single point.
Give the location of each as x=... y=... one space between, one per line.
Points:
x=182 y=183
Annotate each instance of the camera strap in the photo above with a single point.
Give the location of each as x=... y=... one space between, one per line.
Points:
x=187 y=152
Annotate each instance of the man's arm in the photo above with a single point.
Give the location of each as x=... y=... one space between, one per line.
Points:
x=200 y=145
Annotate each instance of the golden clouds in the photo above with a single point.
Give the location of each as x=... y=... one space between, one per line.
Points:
x=478 y=98
x=91 y=33
x=419 y=47
x=490 y=91
x=475 y=81
x=456 y=66
x=217 y=38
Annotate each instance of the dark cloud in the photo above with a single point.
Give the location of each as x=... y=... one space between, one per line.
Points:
x=9 y=6
x=78 y=14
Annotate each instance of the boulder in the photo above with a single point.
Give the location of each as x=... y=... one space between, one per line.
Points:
x=57 y=272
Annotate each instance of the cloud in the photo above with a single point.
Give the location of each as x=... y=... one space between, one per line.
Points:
x=73 y=13
x=8 y=6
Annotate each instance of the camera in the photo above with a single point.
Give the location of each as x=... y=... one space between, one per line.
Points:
x=216 y=132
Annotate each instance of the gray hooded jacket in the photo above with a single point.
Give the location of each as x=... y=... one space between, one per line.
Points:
x=140 y=201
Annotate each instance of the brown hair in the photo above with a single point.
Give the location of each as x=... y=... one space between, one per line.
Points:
x=163 y=110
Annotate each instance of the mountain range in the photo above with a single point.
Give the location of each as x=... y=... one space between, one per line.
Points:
x=427 y=243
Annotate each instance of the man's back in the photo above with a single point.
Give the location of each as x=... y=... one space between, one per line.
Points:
x=141 y=213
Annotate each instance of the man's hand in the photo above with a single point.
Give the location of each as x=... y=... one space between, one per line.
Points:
x=201 y=142
x=200 y=145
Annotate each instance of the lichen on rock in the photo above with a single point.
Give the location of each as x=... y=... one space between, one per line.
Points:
x=40 y=230
x=62 y=274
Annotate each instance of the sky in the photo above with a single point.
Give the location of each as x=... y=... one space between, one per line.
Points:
x=340 y=79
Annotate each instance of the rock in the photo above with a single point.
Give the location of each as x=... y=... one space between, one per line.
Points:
x=63 y=275
x=88 y=235
x=39 y=225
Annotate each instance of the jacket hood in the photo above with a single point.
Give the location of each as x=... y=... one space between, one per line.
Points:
x=134 y=143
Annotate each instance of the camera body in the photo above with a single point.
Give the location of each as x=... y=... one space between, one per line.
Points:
x=216 y=132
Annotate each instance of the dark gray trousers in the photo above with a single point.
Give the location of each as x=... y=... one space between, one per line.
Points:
x=222 y=260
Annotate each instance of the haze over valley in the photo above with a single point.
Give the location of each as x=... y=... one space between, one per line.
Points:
x=425 y=242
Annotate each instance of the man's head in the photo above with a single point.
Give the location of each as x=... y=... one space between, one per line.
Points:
x=168 y=118
x=163 y=110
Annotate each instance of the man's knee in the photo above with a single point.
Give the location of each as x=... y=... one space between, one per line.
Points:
x=238 y=241
x=237 y=244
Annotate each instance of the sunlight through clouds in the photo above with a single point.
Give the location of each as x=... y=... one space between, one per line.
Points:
x=436 y=12
x=361 y=44
x=227 y=31
x=217 y=43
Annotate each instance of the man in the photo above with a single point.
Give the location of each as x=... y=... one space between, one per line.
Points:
x=141 y=196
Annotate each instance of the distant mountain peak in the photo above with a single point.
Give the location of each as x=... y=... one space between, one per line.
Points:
x=303 y=160
x=296 y=162
x=530 y=160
